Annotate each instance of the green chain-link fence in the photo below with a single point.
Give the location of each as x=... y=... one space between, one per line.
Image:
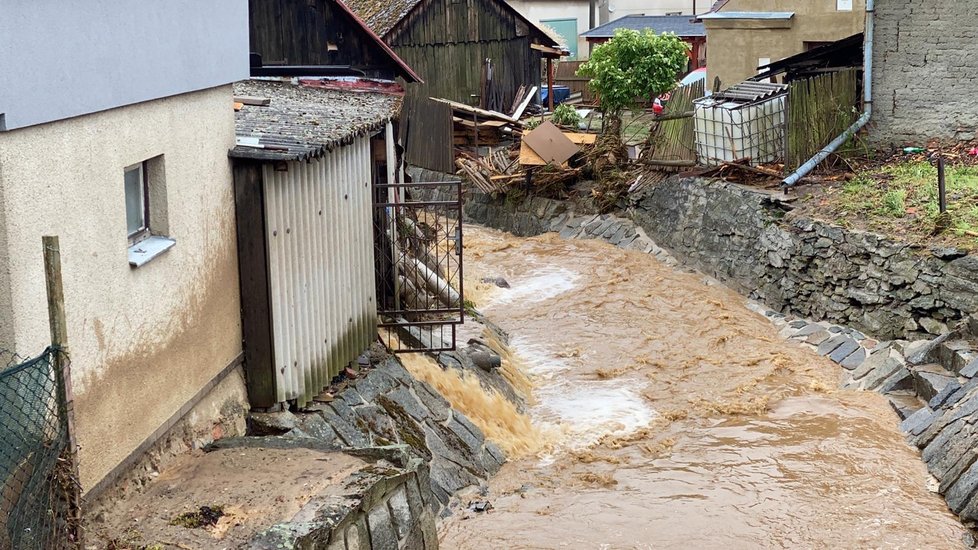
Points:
x=37 y=487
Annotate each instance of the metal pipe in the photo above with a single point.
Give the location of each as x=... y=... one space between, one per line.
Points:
x=941 y=186
x=810 y=165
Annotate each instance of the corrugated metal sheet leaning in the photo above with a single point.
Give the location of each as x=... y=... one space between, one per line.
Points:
x=318 y=229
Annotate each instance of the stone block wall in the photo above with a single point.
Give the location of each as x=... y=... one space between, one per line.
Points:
x=925 y=59
x=807 y=267
x=385 y=507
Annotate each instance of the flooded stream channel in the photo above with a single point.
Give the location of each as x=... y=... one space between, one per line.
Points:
x=670 y=416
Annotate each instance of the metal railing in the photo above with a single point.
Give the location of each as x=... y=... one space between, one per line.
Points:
x=419 y=263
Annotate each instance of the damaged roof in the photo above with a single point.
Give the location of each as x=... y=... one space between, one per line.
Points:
x=305 y=122
x=681 y=25
x=382 y=15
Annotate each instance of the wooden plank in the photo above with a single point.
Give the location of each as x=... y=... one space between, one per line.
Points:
x=525 y=103
x=256 y=311
x=481 y=124
x=251 y=100
x=550 y=143
x=529 y=157
x=469 y=109
x=581 y=138
x=58 y=325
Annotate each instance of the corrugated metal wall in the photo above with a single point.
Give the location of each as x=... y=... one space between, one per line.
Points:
x=320 y=255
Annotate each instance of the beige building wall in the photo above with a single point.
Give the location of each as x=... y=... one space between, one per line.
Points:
x=734 y=47
x=143 y=341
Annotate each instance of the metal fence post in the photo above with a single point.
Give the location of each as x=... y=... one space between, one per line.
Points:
x=61 y=365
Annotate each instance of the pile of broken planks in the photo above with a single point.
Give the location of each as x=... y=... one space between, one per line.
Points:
x=544 y=158
x=476 y=127
x=493 y=173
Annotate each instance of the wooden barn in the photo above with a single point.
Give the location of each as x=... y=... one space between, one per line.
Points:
x=318 y=38
x=448 y=42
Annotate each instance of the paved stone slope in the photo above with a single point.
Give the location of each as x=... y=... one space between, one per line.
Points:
x=390 y=407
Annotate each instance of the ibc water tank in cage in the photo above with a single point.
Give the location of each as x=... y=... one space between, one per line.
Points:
x=744 y=121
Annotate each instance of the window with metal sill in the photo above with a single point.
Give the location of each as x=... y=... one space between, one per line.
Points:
x=146 y=212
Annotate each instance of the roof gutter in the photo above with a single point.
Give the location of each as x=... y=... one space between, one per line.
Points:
x=810 y=165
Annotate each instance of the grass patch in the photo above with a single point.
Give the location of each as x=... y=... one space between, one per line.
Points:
x=902 y=200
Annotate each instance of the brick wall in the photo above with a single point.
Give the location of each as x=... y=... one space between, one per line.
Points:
x=926 y=64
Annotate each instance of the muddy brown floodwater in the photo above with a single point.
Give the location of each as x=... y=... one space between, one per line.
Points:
x=671 y=416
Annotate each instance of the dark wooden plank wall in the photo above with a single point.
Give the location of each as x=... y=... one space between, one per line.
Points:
x=567 y=76
x=256 y=316
x=453 y=71
x=446 y=41
x=456 y=21
x=299 y=32
x=427 y=134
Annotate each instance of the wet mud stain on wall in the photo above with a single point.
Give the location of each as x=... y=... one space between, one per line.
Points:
x=128 y=396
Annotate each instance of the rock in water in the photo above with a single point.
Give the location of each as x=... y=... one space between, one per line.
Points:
x=498 y=281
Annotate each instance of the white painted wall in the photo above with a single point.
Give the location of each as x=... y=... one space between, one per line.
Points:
x=540 y=10
x=616 y=9
x=62 y=59
x=143 y=341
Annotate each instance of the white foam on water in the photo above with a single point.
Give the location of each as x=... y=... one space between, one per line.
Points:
x=581 y=411
x=588 y=412
x=538 y=285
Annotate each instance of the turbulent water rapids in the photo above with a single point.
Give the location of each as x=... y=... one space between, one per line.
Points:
x=665 y=414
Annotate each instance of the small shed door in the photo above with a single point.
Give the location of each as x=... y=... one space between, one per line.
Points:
x=418 y=251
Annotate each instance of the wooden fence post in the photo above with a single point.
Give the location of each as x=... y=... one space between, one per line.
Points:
x=62 y=370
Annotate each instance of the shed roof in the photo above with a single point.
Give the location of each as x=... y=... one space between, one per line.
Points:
x=844 y=53
x=681 y=25
x=382 y=15
x=304 y=122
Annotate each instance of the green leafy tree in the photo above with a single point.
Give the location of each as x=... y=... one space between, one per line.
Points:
x=631 y=67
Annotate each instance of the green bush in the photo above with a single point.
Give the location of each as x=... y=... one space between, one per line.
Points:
x=566 y=115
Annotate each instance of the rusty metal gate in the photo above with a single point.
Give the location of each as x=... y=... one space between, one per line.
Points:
x=418 y=240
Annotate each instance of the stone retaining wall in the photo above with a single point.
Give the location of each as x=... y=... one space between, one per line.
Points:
x=813 y=269
x=807 y=267
x=382 y=507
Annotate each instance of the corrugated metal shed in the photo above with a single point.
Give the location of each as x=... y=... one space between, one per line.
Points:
x=680 y=25
x=302 y=122
x=318 y=230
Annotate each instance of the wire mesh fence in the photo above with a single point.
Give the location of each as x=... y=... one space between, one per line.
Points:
x=38 y=491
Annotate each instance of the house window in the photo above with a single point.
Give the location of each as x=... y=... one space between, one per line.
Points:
x=137 y=205
x=147 y=219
